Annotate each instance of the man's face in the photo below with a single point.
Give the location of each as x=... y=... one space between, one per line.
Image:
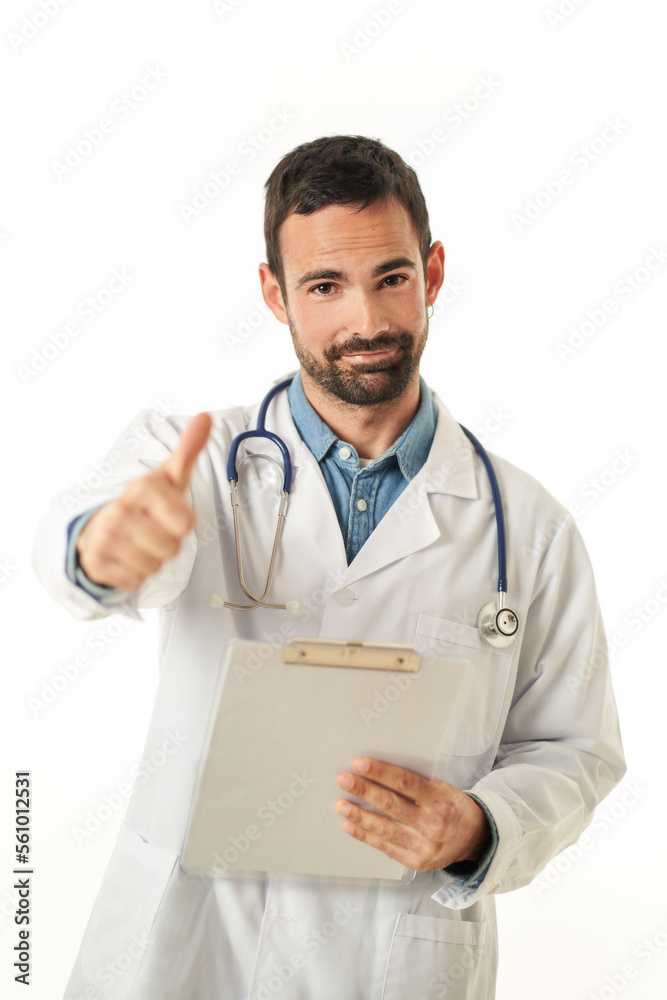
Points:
x=355 y=299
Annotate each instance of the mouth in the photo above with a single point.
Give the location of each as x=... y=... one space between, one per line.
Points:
x=371 y=355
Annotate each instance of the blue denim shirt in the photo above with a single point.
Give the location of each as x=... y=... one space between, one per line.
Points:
x=361 y=497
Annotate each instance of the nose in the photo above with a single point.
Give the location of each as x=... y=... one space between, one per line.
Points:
x=365 y=316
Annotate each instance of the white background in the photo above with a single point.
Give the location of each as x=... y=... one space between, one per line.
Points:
x=517 y=290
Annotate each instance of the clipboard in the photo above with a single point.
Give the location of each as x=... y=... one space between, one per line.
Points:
x=285 y=722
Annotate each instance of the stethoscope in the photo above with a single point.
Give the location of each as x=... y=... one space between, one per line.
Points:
x=497 y=623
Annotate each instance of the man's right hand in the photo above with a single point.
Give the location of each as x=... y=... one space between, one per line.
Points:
x=129 y=538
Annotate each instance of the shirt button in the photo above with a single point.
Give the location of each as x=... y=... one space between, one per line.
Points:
x=344 y=453
x=361 y=505
x=346 y=597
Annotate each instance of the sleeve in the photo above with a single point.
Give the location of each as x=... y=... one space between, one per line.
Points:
x=146 y=443
x=109 y=595
x=560 y=752
x=470 y=874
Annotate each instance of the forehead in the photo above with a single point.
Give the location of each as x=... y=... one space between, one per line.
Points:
x=343 y=233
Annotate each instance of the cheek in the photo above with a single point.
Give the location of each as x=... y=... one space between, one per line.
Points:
x=316 y=326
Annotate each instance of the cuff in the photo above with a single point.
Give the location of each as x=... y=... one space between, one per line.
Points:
x=74 y=571
x=470 y=874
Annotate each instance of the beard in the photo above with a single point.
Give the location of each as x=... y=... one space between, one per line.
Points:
x=366 y=383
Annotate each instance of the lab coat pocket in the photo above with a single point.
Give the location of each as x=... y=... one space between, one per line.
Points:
x=473 y=733
x=434 y=957
x=118 y=931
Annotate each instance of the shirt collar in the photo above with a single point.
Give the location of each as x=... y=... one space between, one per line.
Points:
x=411 y=448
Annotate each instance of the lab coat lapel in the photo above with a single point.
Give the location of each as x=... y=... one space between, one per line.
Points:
x=410 y=523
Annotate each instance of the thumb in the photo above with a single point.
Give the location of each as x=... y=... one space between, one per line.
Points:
x=179 y=464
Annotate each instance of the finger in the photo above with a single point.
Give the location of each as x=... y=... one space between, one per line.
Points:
x=158 y=498
x=385 y=799
x=399 y=852
x=135 y=561
x=179 y=464
x=408 y=783
x=149 y=537
x=391 y=830
x=111 y=573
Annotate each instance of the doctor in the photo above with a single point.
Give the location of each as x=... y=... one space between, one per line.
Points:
x=389 y=536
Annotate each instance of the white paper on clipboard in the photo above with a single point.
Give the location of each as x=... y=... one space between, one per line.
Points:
x=278 y=737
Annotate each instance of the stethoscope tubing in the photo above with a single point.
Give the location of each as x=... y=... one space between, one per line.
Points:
x=260 y=431
x=497 y=623
x=498 y=507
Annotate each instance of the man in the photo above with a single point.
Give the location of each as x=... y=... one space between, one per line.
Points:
x=389 y=536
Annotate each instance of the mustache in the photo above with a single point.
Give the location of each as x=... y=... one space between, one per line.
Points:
x=360 y=345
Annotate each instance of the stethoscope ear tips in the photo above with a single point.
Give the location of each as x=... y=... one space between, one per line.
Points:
x=292 y=607
x=498 y=626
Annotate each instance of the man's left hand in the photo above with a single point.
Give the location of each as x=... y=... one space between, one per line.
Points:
x=434 y=824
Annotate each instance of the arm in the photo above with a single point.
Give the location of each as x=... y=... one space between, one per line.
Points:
x=560 y=752
x=136 y=547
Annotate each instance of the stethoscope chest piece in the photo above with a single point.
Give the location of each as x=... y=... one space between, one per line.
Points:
x=498 y=626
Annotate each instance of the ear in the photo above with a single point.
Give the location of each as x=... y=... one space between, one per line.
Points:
x=435 y=274
x=271 y=293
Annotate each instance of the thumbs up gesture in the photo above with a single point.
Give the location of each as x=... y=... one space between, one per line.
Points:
x=129 y=538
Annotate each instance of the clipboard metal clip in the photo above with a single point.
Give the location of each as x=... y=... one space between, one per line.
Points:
x=315 y=651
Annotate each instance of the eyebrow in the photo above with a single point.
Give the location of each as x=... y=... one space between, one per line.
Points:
x=331 y=275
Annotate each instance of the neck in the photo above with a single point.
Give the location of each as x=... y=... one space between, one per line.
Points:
x=370 y=429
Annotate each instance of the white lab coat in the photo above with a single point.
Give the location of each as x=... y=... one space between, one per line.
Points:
x=539 y=743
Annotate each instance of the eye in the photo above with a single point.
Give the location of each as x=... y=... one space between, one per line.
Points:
x=324 y=285
x=395 y=279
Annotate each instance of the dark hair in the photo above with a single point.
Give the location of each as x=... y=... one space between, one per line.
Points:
x=339 y=170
